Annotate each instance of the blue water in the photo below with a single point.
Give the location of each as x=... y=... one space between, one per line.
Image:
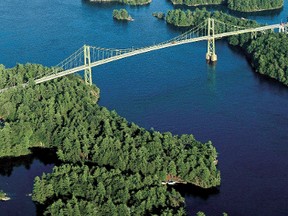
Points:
x=242 y=113
x=17 y=178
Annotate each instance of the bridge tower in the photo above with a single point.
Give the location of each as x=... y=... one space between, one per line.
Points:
x=87 y=62
x=211 y=55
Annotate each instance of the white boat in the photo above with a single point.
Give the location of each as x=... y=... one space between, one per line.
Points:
x=170 y=182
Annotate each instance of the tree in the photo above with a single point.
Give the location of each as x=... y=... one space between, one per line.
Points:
x=200 y=213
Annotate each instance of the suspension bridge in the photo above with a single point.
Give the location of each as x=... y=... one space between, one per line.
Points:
x=87 y=57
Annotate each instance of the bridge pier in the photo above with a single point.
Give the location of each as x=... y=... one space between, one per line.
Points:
x=211 y=55
x=253 y=35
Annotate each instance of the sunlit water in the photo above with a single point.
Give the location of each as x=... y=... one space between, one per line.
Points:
x=242 y=113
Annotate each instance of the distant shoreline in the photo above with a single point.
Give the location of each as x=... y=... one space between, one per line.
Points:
x=225 y=4
x=196 y=5
x=108 y=1
x=258 y=10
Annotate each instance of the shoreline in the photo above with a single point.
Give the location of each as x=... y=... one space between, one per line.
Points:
x=119 y=1
x=249 y=59
x=258 y=10
x=28 y=153
x=196 y=5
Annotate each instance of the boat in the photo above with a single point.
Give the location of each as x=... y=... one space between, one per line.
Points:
x=171 y=182
x=5 y=198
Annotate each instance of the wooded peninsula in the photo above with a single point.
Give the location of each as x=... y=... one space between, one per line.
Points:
x=109 y=164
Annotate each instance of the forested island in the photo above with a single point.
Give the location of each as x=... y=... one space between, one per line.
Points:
x=109 y=164
x=237 y=5
x=267 y=52
x=121 y=14
x=128 y=2
x=188 y=18
x=254 y=5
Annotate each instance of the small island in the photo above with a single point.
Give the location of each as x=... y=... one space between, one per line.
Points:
x=159 y=15
x=3 y=196
x=122 y=14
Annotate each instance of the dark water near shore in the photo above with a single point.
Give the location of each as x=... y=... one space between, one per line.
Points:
x=17 y=178
x=244 y=114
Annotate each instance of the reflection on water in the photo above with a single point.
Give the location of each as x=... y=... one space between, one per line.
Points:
x=17 y=177
x=8 y=164
x=211 y=76
x=189 y=190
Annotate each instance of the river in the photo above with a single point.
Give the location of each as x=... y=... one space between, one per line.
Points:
x=242 y=113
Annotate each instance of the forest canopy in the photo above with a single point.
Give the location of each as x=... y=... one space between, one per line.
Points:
x=237 y=5
x=92 y=141
x=198 y=2
x=269 y=54
x=121 y=14
x=254 y=5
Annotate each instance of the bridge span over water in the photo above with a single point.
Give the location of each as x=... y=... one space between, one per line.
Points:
x=87 y=57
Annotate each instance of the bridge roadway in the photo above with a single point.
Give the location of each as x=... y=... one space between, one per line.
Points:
x=149 y=49
x=152 y=48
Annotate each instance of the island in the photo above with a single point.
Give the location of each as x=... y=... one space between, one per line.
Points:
x=182 y=18
x=122 y=14
x=159 y=15
x=236 y=5
x=3 y=196
x=254 y=5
